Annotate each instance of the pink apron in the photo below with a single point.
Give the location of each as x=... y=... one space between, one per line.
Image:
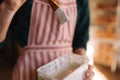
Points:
x=48 y=39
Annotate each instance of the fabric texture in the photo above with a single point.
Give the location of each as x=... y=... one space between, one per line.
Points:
x=20 y=25
x=47 y=39
x=81 y=35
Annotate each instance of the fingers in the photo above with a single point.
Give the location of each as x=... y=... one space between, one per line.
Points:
x=89 y=74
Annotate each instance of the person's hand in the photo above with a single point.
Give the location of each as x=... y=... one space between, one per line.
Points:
x=80 y=51
x=89 y=73
x=13 y=4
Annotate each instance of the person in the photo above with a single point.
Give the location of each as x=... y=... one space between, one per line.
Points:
x=42 y=38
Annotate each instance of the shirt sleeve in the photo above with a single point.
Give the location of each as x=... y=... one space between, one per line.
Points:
x=3 y=43
x=81 y=35
x=1 y=1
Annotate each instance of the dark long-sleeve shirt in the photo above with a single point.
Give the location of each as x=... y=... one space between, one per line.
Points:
x=19 y=27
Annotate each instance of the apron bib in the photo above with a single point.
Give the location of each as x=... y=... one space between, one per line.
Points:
x=47 y=40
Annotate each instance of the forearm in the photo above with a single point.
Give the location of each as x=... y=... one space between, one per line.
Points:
x=81 y=35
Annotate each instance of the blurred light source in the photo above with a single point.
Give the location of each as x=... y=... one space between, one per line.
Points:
x=90 y=53
x=90 y=50
x=98 y=75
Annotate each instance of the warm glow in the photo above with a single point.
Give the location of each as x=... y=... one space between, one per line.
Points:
x=90 y=53
x=90 y=50
x=98 y=75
